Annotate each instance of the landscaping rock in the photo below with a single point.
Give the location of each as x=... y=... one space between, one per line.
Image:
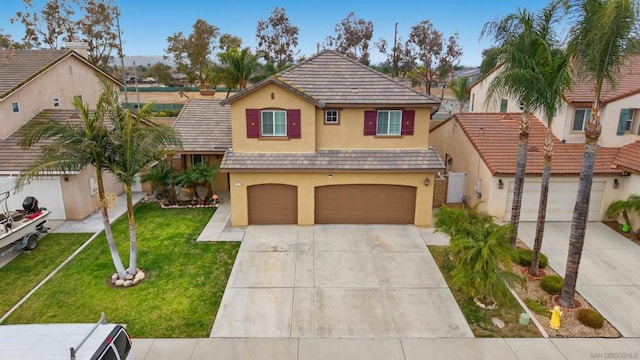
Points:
x=127 y=283
x=119 y=282
x=497 y=322
x=139 y=275
x=128 y=277
x=114 y=277
x=136 y=281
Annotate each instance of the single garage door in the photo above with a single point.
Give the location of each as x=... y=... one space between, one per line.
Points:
x=365 y=204
x=560 y=202
x=273 y=204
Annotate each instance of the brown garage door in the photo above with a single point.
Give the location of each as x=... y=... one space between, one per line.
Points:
x=365 y=204
x=273 y=204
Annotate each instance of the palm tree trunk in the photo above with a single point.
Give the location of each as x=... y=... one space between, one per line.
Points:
x=542 y=209
x=521 y=165
x=133 y=240
x=581 y=210
x=113 y=249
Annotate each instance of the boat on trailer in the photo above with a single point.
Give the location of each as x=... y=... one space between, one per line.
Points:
x=23 y=227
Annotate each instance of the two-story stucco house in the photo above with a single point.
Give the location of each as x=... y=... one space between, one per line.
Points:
x=331 y=141
x=43 y=84
x=486 y=145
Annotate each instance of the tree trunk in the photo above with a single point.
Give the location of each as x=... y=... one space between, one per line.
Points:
x=581 y=210
x=542 y=209
x=133 y=241
x=625 y=216
x=521 y=165
x=113 y=249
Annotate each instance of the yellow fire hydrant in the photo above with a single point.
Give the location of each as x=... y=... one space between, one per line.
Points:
x=555 y=317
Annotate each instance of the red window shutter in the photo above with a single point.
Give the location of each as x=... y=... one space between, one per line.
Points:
x=293 y=124
x=370 y=122
x=253 y=123
x=408 y=117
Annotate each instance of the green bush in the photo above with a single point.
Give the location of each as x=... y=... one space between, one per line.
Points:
x=537 y=307
x=523 y=257
x=552 y=284
x=590 y=318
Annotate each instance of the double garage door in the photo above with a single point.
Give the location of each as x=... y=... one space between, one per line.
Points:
x=560 y=202
x=334 y=204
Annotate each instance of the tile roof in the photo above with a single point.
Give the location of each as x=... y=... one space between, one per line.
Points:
x=14 y=157
x=629 y=157
x=19 y=66
x=495 y=137
x=334 y=79
x=628 y=83
x=355 y=160
x=204 y=126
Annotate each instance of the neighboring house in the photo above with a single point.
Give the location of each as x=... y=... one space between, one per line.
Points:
x=43 y=84
x=205 y=129
x=628 y=160
x=331 y=141
x=484 y=146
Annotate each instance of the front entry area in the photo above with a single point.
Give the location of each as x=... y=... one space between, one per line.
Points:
x=365 y=204
x=272 y=204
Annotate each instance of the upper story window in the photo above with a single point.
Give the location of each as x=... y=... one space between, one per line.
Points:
x=196 y=159
x=389 y=122
x=273 y=122
x=503 y=105
x=626 y=123
x=15 y=106
x=580 y=119
x=331 y=117
x=79 y=97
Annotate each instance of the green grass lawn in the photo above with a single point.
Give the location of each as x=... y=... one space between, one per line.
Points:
x=479 y=319
x=179 y=298
x=29 y=268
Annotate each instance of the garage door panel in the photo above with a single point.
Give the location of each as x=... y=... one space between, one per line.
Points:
x=272 y=204
x=365 y=204
x=560 y=201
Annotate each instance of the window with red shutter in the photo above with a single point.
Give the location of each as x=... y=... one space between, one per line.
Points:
x=408 y=117
x=293 y=124
x=253 y=123
x=370 y=119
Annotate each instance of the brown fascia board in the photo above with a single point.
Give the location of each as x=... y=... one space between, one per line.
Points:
x=359 y=171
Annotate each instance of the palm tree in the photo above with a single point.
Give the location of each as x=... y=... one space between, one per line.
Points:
x=517 y=36
x=206 y=175
x=599 y=44
x=75 y=146
x=162 y=176
x=238 y=66
x=137 y=142
x=460 y=88
x=624 y=207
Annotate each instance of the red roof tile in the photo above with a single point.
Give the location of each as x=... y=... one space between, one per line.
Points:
x=628 y=83
x=495 y=137
x=629 y=157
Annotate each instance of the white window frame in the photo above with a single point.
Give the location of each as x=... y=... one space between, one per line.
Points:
x=504 y=103
x=628 y=126
x=193 y=159
x=332 y=116
x=274 y=126
x=585 y=118
x=15 y=107
x=386 y=130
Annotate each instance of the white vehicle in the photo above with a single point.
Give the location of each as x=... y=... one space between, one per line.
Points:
x=99 y=341
x=24 y=227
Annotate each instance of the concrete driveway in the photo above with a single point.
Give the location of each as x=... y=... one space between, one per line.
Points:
x=338 y=281
x=609 y=274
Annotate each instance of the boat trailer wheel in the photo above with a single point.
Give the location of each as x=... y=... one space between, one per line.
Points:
x=32 y=242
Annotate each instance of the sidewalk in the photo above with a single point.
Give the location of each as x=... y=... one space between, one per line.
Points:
x=386 y=349
x=219 y=226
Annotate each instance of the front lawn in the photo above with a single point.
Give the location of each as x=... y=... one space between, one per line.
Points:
x=479 y=319
x=179 y=298
x=25 y=272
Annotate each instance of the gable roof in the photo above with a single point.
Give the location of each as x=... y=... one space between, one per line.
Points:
x=18 y=67
x=204 y=126
x=629 y=157
x=330 y=78
x=495 y=138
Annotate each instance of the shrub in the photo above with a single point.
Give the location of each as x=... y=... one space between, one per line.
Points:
x=523 y=257
x=552 y=284
x=590 y=318
x=537 y=307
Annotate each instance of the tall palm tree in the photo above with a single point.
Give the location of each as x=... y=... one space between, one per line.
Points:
x=517 y=37
x=599 y=44
x=74 y=147
x=136 y=143
x=238 y=66
x=460 y=89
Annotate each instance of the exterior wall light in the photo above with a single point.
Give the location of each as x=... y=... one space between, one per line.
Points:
x=427 y=182
x=616 y=184
x=500 y=184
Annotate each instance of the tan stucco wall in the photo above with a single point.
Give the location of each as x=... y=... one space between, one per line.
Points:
x=480 y=103
x=65 y=80
x=282 y=99
x=306 y=183
x=349 y=133
x=76 y=193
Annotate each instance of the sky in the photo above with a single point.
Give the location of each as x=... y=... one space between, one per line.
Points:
x=146 y=24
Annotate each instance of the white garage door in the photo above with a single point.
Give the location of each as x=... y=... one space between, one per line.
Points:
x=48 y=193
x=560 y=202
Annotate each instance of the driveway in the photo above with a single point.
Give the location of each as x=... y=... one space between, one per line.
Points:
x=609 y=274
x=338 y=281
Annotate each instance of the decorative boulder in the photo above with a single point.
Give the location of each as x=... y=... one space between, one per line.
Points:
x=127 y=283
x=119 y=282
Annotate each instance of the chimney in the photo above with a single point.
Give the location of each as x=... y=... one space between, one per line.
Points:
x=79 y=46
